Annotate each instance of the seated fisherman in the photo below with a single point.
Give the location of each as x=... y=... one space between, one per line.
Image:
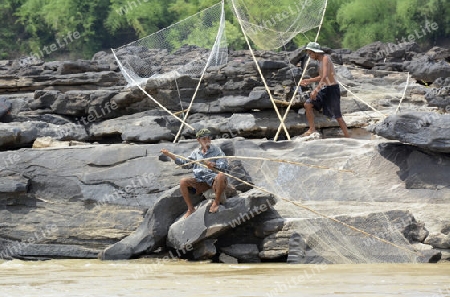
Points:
x=204 y=177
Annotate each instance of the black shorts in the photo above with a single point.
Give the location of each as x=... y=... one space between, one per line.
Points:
x=329 y=100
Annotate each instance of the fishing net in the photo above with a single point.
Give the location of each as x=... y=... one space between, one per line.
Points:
x=185 y=48
x=379 y=92
x=330 y=234
x=270 y=24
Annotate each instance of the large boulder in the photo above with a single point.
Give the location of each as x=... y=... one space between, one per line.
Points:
x=427 y=130
x=13 y=135
x=152 y=232
x=439 y=95
x=426 y=69
x=202 y=225
x=5 y=106
x=146 y=127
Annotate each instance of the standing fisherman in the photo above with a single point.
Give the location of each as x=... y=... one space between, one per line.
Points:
x=326 y=96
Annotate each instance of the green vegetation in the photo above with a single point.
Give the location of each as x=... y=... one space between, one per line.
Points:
x=27 y=26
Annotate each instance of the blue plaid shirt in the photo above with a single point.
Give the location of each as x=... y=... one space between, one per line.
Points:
x=201 y=173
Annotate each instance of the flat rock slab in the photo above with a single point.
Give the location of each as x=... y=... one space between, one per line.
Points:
x=202 y=225
x=24 y=250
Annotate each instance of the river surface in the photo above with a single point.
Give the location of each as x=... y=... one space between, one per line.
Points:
x=146 y=277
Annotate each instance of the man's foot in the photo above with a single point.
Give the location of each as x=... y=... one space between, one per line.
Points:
x=188 y=213
x=308 y=133
x=214 y=207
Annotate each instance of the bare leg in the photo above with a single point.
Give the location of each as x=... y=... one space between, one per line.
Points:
x=184 y=189
x=220 y=183
x=343 y=126
x=310 y=117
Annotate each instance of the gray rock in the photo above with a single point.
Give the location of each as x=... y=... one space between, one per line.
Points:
x=428 y=70
x=224 y=258
x=81 y=66
x=310 y=231
x=26 y=250
x=44 y=99
x=275 y=246
x=205 y=250
x=442 y=82
x=13 y=183
x=439 y=97
x=256 y=100
x=367 y=55
x=426 y=171
x=202 y=225
x=5 y=106
x=244 y=253
x=143 y=127
x=441 y=241
x=438 y=53
x=446 y=229
x=152 y=232
x=269 y=227
x=83 y=81
x=379 y=53
x=427 y=130
x=266 y=65
x=24 y=134
x=297 y=249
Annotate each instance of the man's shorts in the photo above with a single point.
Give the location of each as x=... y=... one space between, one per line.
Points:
x=329 y=100
x=198 y=188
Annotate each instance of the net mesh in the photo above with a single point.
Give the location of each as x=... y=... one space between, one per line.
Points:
x=367 y=236
x=185 y=48
x=270 y=24
x=379 y=91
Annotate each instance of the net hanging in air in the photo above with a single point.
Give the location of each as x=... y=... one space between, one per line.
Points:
x=270 y=24
x=185 y=48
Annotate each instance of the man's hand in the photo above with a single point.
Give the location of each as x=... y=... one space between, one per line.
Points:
x=168 y=154
x=313 y=94
x=305 y=82
x=210 y=164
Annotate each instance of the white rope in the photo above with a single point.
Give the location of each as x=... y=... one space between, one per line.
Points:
x=404 y=94
x=260 y=71
x=217 y=43
x=145 y=92
x=362 y=100
x=179 y=96
x=303 y=75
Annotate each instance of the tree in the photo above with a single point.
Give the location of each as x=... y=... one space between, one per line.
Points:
x=49 y=21
x=27 y=26
x=363 y=22
x=10 y=31
x=330 y=33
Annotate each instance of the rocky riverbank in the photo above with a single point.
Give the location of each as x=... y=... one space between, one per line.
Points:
x=82 y=177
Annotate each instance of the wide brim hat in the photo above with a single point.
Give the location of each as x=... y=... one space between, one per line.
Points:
x=315 y=47
x=203 y=133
